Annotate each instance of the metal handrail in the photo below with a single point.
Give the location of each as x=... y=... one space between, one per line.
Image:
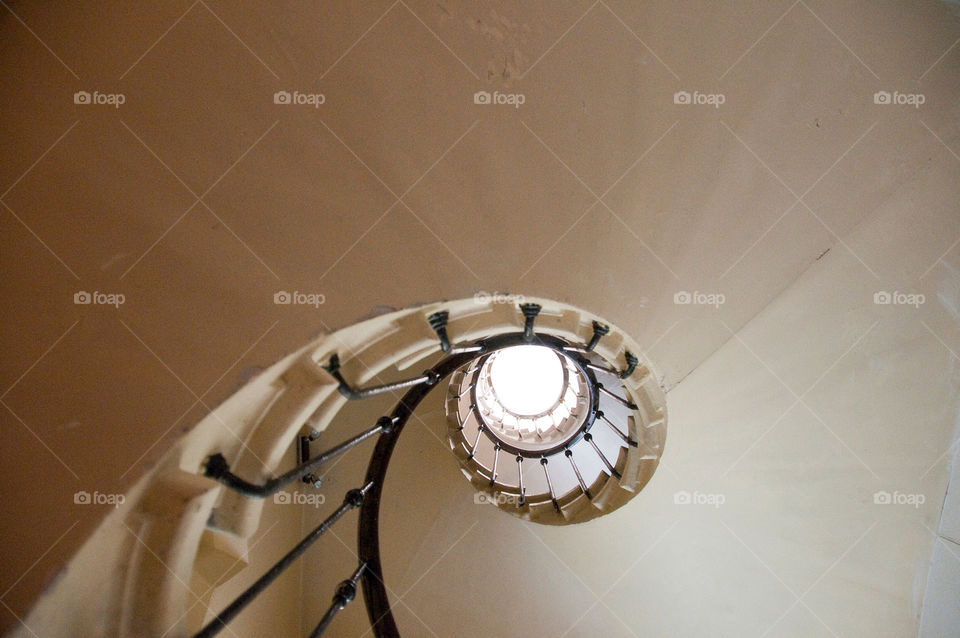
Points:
x=216 y=466
x=369 y=572
x=353 y=499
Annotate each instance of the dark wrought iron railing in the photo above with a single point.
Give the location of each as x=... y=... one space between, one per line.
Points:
x=387 y=430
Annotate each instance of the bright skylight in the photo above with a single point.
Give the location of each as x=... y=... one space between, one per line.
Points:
x=527 y=380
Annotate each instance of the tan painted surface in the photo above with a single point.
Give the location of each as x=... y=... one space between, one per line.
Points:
x=199 y=198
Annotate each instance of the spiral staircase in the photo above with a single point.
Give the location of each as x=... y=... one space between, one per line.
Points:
x=582 y=453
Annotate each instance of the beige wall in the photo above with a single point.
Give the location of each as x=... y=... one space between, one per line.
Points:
x=599 y=191
x=877 y=412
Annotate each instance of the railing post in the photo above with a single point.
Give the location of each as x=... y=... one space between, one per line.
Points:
x=632 y=362
x=599 y=330
x=438 y=321
x=530 y=312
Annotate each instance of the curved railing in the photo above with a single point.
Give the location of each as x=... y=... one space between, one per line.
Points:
x=367 y=497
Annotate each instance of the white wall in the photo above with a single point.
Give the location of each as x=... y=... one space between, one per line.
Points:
x=822 y=401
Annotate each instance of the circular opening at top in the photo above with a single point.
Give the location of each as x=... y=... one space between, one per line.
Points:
x=527 y=380
x=528 y=397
